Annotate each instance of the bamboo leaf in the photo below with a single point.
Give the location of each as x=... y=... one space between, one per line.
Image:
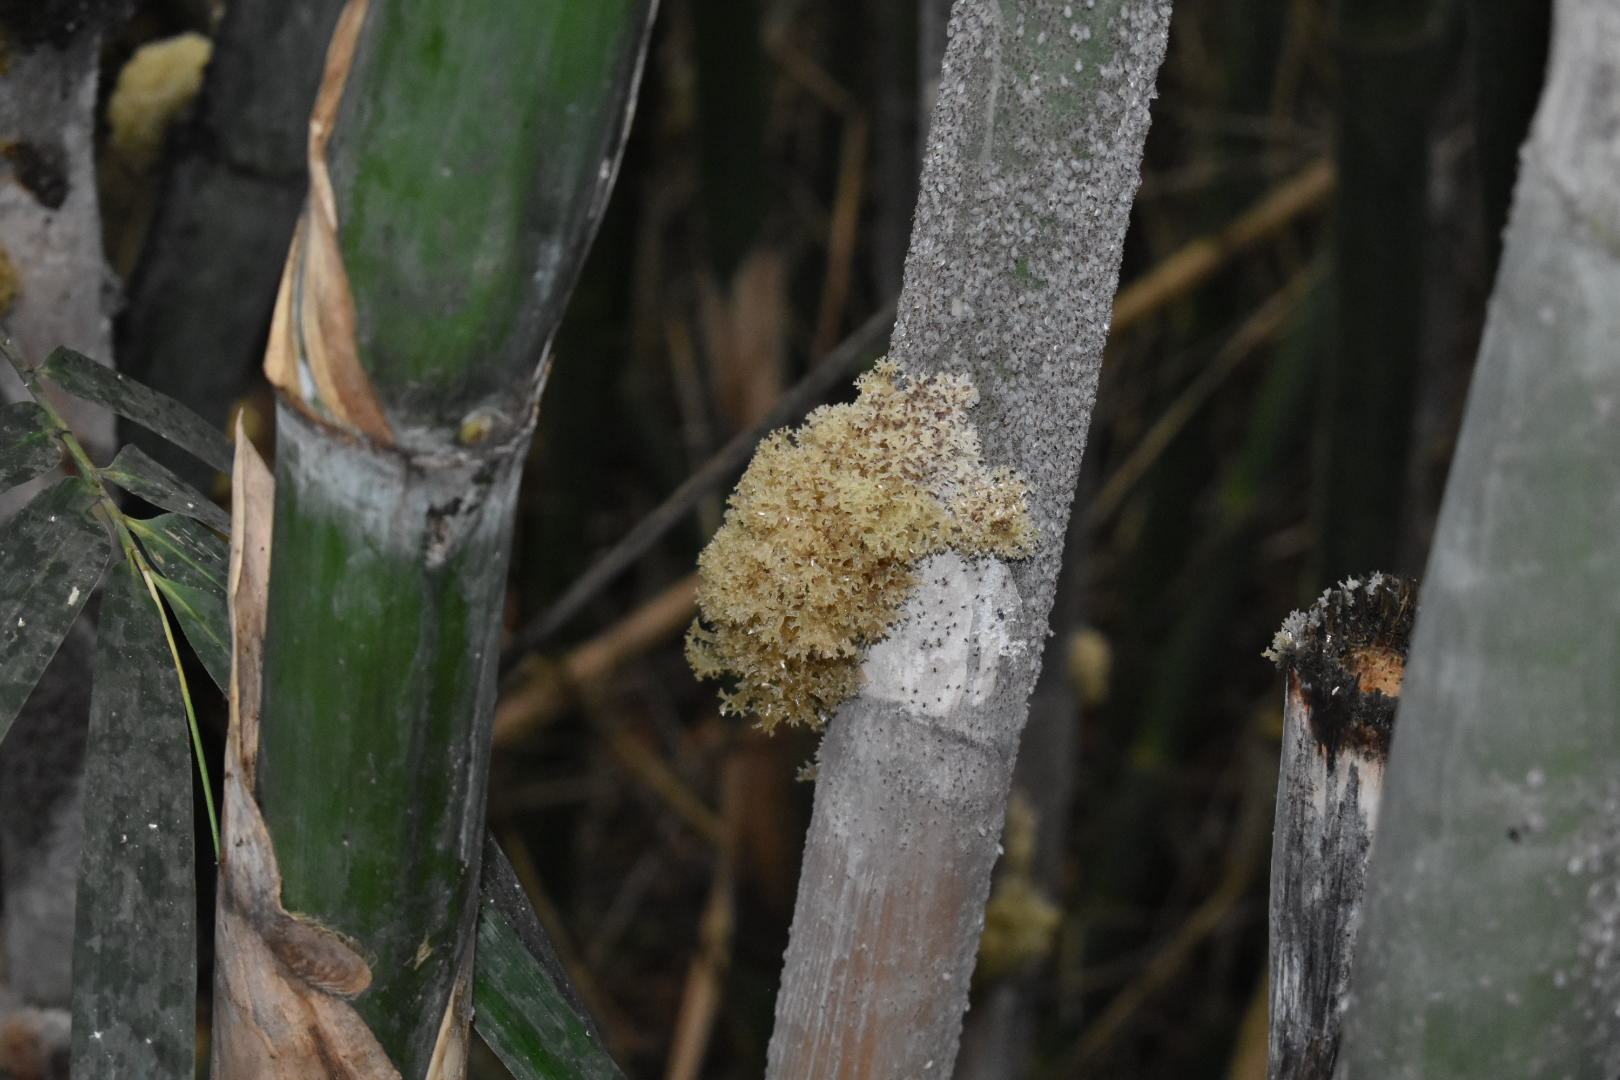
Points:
x=191 y=565
x=52 y=554
x=134 y=960
x=206 y=624
x=77 y=374
x=523 y=1004
x=26 y=447
x=182 y=550
x=137 y=473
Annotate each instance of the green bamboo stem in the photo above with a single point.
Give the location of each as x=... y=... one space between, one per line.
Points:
x=471 y=162
x=461 y=155
x=380 y=652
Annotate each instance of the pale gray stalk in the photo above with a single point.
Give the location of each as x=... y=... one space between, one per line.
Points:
x=1033 y=159
x=1491 y=940
x=50 y=220
x=50 y=237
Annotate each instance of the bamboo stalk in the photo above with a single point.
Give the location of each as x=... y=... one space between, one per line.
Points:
x=233 y=190
x=378 y=825
x=1490 y=936
x=1344 y=660
x=460 y=155
x=1389 y=54
x=1033 y=159
x=50 y=220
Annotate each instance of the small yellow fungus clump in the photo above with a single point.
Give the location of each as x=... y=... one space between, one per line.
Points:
x=1020 y=923
x=821 y=537
x=1091 y=662
x=10 y=281
x=153 y=90
x=160 y=80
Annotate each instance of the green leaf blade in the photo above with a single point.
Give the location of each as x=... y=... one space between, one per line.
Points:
x=137 y=473
x=183 y=550
x=26 y=447
x=191 y=564
x=205 y=621
x=523 y=1006
x=76 y=374
x=52 y=554
x=134 y=961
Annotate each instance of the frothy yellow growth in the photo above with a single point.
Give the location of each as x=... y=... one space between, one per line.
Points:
x=821 y=537
x=161 y=79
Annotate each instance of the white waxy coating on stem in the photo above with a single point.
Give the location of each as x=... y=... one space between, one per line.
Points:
x=949 y=650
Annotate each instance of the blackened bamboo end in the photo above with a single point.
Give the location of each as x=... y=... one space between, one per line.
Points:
x=1346 y=657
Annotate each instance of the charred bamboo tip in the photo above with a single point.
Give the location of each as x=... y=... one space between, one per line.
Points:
x=1346 y=657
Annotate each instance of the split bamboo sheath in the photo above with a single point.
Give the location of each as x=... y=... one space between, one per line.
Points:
x=1343 y=660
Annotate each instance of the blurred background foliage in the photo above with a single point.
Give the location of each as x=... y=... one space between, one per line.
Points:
x=1304 y=281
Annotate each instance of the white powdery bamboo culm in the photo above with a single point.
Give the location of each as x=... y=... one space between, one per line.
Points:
x=1491 y=940
x=1033 y=160
x=1344 y=660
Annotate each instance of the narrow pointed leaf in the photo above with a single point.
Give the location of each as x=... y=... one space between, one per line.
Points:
x=182 y=550
x=135 y=471
x=191 y=564
x=134 y=960
x=52 y=554
x=206 y=623
x=77 y=374
x=523 y=1004
x=26 y=448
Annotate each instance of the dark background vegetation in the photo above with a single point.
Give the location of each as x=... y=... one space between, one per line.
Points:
x=1315 y=237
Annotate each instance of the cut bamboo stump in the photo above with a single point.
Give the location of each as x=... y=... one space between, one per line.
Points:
x=1343 y=659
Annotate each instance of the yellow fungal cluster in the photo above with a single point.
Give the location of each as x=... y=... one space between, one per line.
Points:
x=160 y=80
x=821 y=537
x=1020 y=922
x=153 y=90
